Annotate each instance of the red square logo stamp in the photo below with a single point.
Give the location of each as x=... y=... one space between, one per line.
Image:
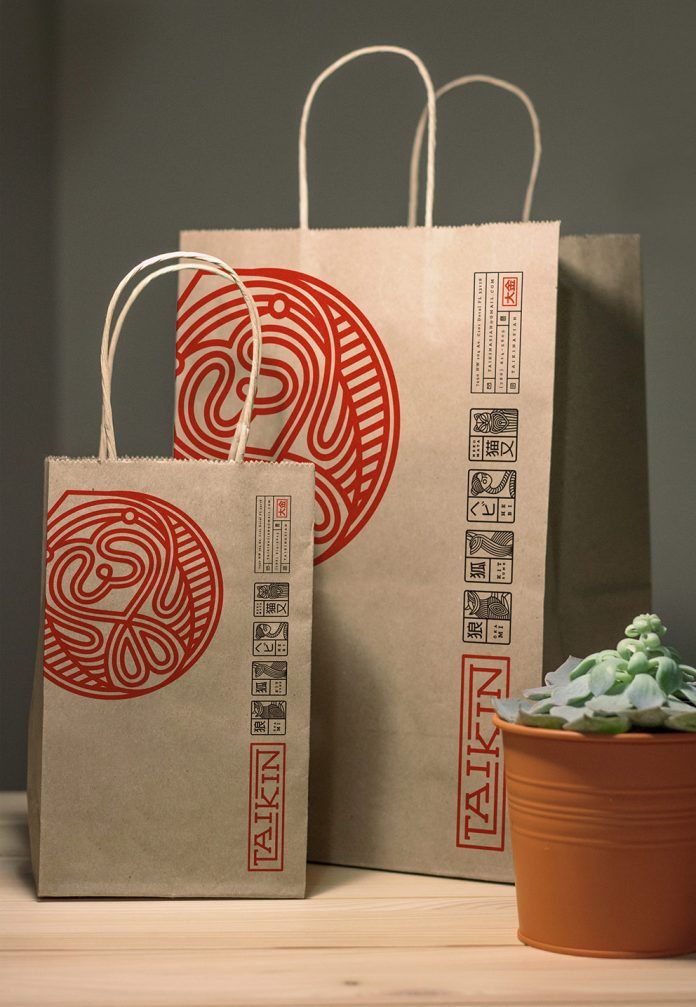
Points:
x=282 y=508
x=481 y=789
x=266 y=806
x=510 y=288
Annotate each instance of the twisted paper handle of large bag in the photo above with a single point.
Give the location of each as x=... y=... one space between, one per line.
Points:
x=430 y=110
x=190 y=260
x=478 y=78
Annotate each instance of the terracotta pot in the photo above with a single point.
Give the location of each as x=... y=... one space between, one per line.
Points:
x=604 y=840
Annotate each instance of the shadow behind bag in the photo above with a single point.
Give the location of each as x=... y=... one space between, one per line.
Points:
x=598 y=564
x=168 y=742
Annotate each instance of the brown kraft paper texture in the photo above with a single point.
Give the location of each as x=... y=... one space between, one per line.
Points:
x=173 y=780
x=415 y=368
x=169 y=732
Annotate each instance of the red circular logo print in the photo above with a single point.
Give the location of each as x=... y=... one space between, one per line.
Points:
x=133 y=593
x=327 y=392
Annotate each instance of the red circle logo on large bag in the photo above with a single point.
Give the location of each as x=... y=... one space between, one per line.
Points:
x=327 y=392
x=133 y=593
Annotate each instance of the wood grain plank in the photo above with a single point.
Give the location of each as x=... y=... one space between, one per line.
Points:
x=161 y=925
x=514 y=977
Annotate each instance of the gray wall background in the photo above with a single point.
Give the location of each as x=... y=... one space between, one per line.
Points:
x=123 y=121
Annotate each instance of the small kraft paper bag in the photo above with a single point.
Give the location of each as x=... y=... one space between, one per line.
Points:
x=598 y=555
x=415 y=368
x=170 y=715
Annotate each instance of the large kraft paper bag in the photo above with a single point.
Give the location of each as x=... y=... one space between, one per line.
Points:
x=598 y=557
x=170 y=715
x=415 y=368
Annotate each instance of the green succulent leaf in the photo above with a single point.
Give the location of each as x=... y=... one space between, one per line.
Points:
x=668 y=675
x=540 y=692
x=619 y=686
x=610 y=704
x=653 y=717
x=601 y=678
x=687 y=691
x=608 y=654
x=540 y=720
x=562 y=675
x=639 y=664
x=574 y=693
x=657 y=625
x=542 y=706
x=644 y=692
x=677 y=704
x=584 y=666
x=688 y=672
x=599 y=725
x=682 y=721
x=656 y=653
x=627 y=648
x=565 y=712
x=507 y=709
x=644 y=624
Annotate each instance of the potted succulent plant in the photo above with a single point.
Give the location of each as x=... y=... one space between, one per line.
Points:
x=600 y=765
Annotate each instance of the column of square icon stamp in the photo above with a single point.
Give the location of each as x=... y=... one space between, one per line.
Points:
x=269 y=667
x=489 y=554
x=488 y=560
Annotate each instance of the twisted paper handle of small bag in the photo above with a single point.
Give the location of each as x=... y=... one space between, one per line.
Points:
x=430 y=110
x=478 y=78
x=189 y=260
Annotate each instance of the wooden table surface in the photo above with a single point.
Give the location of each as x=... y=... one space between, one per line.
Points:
x=360 y=937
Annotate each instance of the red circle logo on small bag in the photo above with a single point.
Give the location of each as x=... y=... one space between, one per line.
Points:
x=133 y=593
x=327 y=392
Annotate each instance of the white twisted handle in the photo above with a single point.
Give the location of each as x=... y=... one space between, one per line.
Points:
x=430 y=108
x=190 y=260
x=477 y=78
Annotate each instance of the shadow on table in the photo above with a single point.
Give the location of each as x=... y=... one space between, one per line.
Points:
x=324 y=878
